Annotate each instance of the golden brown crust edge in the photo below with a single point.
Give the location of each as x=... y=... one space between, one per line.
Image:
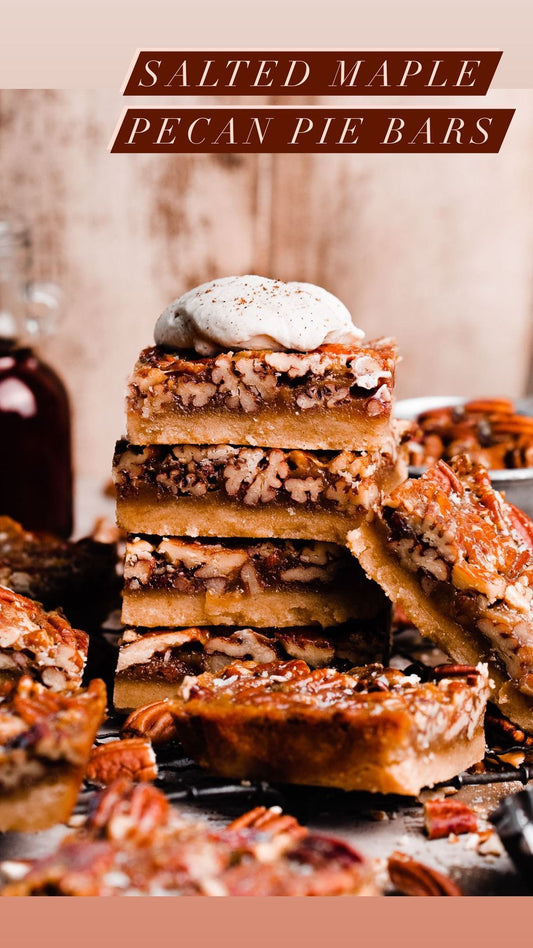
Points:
x=321 y=754
x=281 y=608
x=368 y=545
x=318 y=430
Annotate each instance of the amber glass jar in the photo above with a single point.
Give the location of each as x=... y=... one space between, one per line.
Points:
x=35 y=465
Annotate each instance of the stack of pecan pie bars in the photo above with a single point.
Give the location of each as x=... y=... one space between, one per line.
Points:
x=238 y=482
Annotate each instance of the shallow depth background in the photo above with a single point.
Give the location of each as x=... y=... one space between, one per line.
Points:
x=437 y=250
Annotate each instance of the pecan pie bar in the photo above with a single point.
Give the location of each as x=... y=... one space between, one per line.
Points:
x=41 y=644
x=54 y=571
x=336 y=395
x=182 y=582
x=135 y=844
x=152 y=664
x=458 y=559
x=45 y=742
x=221 y=490
x=372 y=728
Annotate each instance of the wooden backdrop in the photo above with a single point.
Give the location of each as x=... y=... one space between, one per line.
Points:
x=436 y=250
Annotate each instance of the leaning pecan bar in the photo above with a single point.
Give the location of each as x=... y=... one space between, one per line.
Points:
x=182 y=582
x=458 y=559
x=45 y=742
x=221 y=490
x=322 y=400
x=38 y=643
x=371 y=728
x=135 y=844
x=153 y=663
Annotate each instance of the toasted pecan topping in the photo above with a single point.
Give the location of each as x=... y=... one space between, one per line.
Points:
x=38 y=725
x=445 y=708
x=342 y=480
x=248 y=380
x=134 y=843
x=190 y=565
x=172 y=653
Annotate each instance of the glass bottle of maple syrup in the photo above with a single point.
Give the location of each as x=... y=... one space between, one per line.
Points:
x=35 y=439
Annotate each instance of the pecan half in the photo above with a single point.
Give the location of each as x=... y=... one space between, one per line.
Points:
x=442 y=817
x=133 y=758
x=153 y=722
x=271 y=821
x=415 y=878
x=127 y=810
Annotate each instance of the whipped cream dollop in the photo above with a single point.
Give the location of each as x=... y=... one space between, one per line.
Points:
x=254 y=312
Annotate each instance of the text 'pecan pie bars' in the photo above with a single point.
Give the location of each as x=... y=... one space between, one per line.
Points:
x=458 y=559
x=134 y=843
x=371 y=728
x=38 y=643
x=45 y=742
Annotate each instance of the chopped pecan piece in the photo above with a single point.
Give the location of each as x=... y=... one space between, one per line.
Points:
x=469 y=672
x=133 y=757
x=442 y=817
x=250 y=379
x=414 y=878
x=502 y=733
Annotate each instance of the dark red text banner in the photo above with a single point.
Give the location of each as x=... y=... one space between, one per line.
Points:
x=314 y=72
x=311 y=130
